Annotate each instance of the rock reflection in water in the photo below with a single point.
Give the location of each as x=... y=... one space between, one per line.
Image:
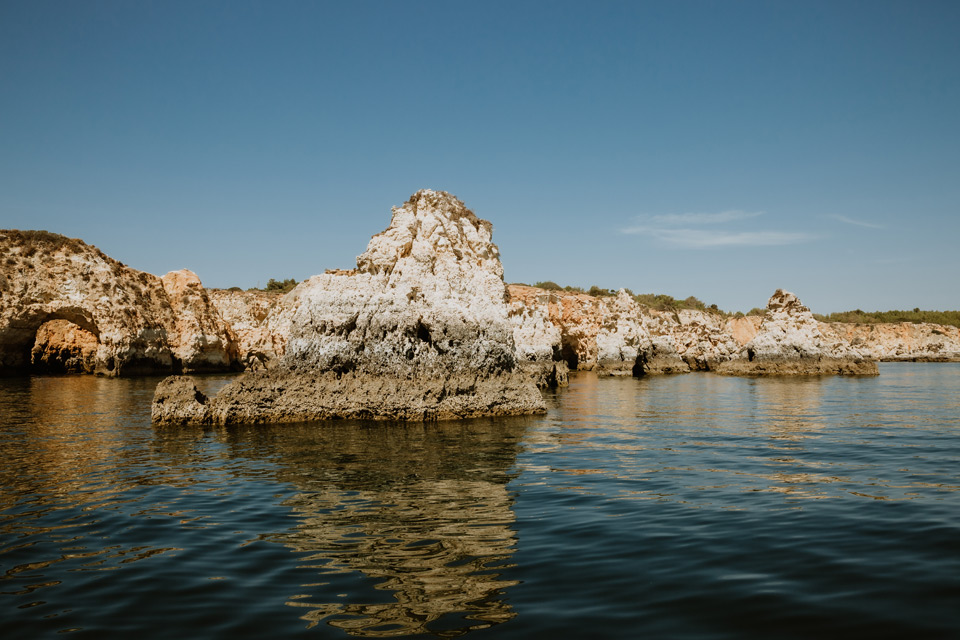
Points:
x=422 y=510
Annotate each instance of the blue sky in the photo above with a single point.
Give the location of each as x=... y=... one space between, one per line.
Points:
x=716 y=149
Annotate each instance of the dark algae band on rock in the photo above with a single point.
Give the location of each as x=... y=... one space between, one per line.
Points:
x=418 y=331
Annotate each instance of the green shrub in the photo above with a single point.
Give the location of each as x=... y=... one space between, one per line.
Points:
x=597 y=292
x=916 y=316
x=277 y=286
x=549 y=285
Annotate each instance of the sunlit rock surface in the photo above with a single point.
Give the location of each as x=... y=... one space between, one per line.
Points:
x=899 y=341
x=790 y=342
x=129 y=324
x=260 y=322
x=418 y=331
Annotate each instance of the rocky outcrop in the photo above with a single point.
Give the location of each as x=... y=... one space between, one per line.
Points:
x=900 y=341
x=622 y=337
x=418 y=331
x=609 y=334
x=790 y=342
x=201 y=340
x=129 y=325
x=614 y=335
x=537 y=341
x=259 y=321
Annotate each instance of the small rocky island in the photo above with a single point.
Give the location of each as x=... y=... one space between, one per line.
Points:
x=424 y=328
x=418 y=331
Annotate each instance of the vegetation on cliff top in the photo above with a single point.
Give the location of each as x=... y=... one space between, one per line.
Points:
x=657 y=301
x=277 y=286
x=916 y=316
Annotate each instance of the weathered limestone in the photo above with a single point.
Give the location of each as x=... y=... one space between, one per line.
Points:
x=202 y=341
x=419 y=331
x=62 y=346
x=537 y=341
x=623 y=342
x=129 y=320
x=790 y=342
x=900 y=341
x=611 y=335
x=614 y=335
x=260 y=322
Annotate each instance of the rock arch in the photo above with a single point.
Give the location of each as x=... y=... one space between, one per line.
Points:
x=41 y=336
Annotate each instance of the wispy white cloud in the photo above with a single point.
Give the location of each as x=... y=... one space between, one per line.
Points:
x=858 y=223
x=715 y=238
x=679 y=229
x=703 y=218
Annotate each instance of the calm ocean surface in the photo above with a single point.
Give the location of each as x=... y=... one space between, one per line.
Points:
x=693 y=506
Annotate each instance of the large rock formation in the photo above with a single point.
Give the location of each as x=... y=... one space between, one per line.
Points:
x=613 y=335
x=790 y=342
x=609 y=334
x=418 y=331
x=108 y=318
x=537 y=341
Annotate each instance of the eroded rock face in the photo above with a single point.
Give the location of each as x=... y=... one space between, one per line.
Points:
x=623 y=342
x=130 y=325
x=419 y=331
x=201 y=340
x=47 y=277
x=259 y=321
x=900 y=341
x=63 y=347
x=790 y=342
x=537 y=340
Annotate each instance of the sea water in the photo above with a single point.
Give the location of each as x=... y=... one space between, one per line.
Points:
x=693 y=506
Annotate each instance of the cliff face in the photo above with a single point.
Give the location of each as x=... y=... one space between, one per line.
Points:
x=616 y=336
x=790 y=342
x=901 y=341
x=259 y=321
x=107 y=318
x=418 y=331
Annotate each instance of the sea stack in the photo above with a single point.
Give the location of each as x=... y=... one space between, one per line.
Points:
x=790 y=342
x=418 y=331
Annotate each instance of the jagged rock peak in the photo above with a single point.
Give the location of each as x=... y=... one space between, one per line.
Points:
x=430 y=227
x=786 y=302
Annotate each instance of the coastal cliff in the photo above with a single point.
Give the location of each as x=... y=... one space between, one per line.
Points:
x=418 y=331
x=899 y=341
x=790 y=341
x=65 y=306
x=614 y=335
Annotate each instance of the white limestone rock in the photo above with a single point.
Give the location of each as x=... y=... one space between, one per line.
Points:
x=790 y=342
x=419 y=331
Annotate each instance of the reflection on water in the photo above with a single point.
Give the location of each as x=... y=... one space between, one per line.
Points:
x=693 y=506
x=423 y=510
x=397 y=529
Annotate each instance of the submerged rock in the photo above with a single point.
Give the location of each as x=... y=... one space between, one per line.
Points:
x=790 y=342
x=418 y=331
